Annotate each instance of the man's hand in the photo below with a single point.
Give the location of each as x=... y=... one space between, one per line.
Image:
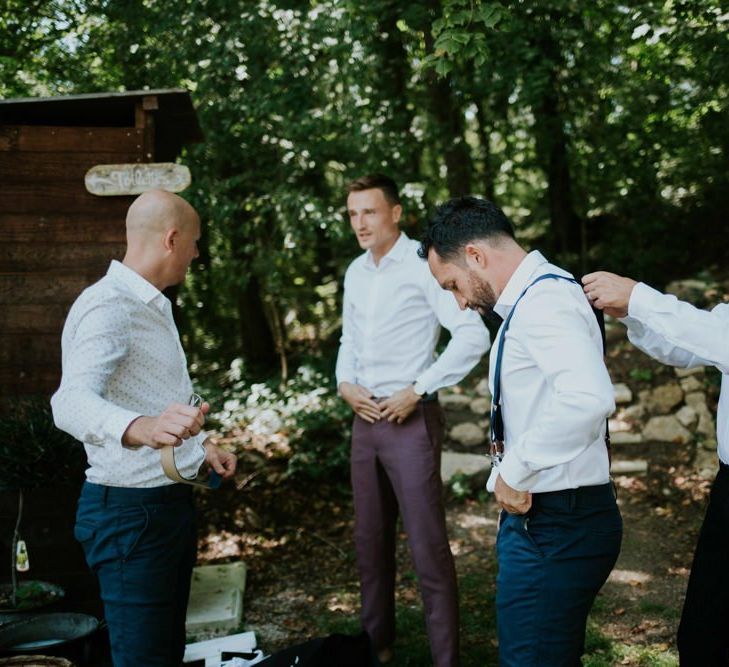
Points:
x=360 y=400
x=609 y=292
x=513 y=501
x=177 y=423
x=220 y=460
x=399 y=406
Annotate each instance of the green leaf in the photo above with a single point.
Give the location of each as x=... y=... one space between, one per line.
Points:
x=443 y=67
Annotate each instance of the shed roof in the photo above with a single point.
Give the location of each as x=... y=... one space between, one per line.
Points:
x=175 y=119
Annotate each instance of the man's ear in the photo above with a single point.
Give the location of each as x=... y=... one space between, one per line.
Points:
x=475 y=255
x=170 y=239
x=396 y=212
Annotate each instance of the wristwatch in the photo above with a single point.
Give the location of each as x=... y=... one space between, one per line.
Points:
x=418 y=389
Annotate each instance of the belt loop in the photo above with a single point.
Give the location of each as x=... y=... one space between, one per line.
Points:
x=105 y=495
x=573 y=499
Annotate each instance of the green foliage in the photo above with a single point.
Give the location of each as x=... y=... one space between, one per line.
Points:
x=461 y=34
x=321 y=448
x=464 y=487
x=304 y=415
x=601 y=129
x=460 y=487
x=33 y=451
x=641 y=374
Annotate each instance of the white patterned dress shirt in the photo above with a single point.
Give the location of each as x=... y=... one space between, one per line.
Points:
x=555 y=389
x=391 y=322
x=122 y=358
x=679 y=334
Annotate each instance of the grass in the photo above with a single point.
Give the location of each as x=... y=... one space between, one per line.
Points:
x=478 y=623
x=601 y=651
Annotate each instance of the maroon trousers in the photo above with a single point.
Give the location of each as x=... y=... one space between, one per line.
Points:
x=397 y=466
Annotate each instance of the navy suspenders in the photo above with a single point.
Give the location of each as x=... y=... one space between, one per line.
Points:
x=497 y=420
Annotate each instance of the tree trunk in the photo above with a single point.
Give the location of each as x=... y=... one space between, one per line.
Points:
x=552 y=148
x=484 y=139
x=257 y=342
x=395 y=72
x=450 y=128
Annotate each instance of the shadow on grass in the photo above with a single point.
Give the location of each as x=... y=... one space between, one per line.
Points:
x=478 y=625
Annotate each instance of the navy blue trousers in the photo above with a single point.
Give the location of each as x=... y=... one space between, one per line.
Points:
x=703 y=635
x=552 y=563
x=141 y=544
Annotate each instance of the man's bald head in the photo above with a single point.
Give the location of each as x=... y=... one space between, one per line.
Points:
x=156 y=212
x=162 y=234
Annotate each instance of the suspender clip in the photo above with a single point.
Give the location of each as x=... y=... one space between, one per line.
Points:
x=496 y=451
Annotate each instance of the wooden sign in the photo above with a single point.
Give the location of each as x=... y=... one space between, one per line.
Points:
x=109 y=180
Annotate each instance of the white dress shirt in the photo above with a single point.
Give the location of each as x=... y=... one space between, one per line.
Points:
x=391 y=322
x=679 y=334
x=555 y=390
x=122 y=358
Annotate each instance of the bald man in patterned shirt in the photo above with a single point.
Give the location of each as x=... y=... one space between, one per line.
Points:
x=125 y=394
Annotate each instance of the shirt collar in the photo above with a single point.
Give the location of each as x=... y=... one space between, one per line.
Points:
x=518 y=281
x=140 y=287
x=397 y=253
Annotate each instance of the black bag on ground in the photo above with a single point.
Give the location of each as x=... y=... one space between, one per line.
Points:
x=333 y=651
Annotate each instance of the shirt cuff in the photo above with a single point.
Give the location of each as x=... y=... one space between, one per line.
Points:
x=419 y=388
x=642 y=302
x=345 y=377
x=425 y=384
x=115 y=428
x=515 y=473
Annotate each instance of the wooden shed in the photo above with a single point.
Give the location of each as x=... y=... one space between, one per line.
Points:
x=55 y=237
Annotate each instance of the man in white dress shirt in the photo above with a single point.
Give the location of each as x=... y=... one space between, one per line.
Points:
x=388 y=373
x=560 y=528
x=679 y=334
x=124 y=394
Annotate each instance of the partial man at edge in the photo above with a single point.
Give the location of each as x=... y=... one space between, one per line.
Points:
x=679 y=334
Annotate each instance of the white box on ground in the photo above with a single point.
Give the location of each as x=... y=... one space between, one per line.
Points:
x=216 y=599
x=211 y=649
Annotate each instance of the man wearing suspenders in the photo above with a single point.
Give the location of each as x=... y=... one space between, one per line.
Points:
x=560 y=528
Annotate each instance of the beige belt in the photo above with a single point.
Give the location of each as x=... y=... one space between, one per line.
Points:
x=167 y=459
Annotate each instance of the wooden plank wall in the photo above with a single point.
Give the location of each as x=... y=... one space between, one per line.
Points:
x=55 y=239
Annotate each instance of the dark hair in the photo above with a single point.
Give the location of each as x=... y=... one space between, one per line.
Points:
x=460 y=221
x=379 y=182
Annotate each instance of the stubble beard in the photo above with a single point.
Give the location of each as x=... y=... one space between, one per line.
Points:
x=484 y=298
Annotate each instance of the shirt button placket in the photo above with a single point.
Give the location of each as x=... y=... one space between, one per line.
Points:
x=370 y=327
